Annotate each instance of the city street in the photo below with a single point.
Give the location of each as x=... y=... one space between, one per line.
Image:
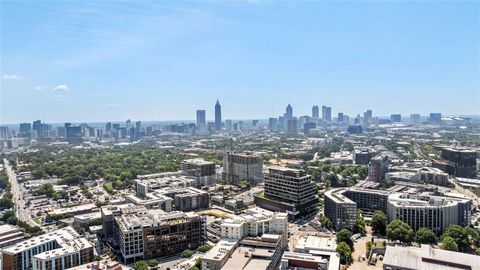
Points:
x=19 y=203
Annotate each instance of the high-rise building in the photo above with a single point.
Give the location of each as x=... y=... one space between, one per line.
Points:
x=292 y=125
x=367 y=117
x=218 y=116
x=329 y=114
x=108 y=127
x=4 y=133
x=288 y=190
x=25 y=130
x=435 y=118
x=229 y=125
x=396 y=118
x=315 y=111
x=138 y=129
x=415 y=118
x=242 y=166
x=340 y=118
x=73 y=135
x=273 y=124
x=201 y=118
x=288 y=112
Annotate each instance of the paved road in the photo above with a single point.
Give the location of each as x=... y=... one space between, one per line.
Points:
x=19 y=204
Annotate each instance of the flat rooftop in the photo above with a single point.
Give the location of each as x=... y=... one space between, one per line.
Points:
x=428 y=258
x=61 y=236
x=221 y=249
x=316 y=243
x=153 y=217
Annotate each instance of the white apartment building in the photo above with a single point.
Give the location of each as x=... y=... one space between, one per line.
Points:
x=255 y=222
x=60 y=249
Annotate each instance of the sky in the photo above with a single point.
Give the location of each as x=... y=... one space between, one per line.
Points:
x=82 y=61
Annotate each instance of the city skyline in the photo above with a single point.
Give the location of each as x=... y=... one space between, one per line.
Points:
x=78 y=62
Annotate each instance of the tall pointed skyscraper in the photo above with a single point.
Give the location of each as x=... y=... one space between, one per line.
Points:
x=289 y=112
x=218 y=116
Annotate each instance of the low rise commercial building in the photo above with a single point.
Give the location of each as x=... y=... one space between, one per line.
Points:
x=10 y=235
x=75 y=210
x=86 y=220
x=427 y=257
x=250 y=253
x=170 y=198
x=363 y=155
x=315 y=243
x=310 y=261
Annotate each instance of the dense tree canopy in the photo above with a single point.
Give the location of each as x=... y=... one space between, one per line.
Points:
x=398 y=230
x=120 y=165
x=464 y=237
x=425 y=236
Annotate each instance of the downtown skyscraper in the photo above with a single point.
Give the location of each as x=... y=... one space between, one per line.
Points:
x=315 y=111
x=201 y=118
x=218 y=116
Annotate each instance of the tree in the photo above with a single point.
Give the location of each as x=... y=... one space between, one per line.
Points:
x=398 y=230
x=345 y=252
x=187 y=253
x=152 y=262
x=448 y=243
x=344 y=235
x=204 y=248
x=473 y=236
x=325 y=222
x=359 y=224
x=141 y=265
x=458 y=234
x=425 y=236
x=379 y=222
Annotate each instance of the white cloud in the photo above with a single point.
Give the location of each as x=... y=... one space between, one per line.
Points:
x=41 y=87
x=11 y=77
x=112 y=104
x=57 y=97
x=61 y=87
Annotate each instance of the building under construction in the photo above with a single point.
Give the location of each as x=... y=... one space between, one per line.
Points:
x=155 y=233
